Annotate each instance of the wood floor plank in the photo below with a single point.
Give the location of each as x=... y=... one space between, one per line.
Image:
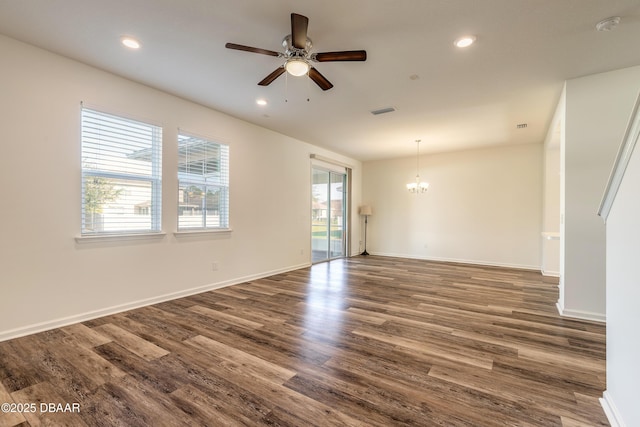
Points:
x=562 y=359
x=421 y=348
x=356 y=398
x=17 y=364
x=132 y=342
x=46 y=394
x=233 y=397
x=527 y=393
x=129 y=401
x=225 y=317
x=144 y=371
x=87 y=363
x=8 y=417
x=371 y=341
x=200 y=405
x=85 y=336
x=248 y=363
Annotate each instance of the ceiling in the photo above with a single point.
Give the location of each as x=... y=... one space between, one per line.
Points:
x=450 y=98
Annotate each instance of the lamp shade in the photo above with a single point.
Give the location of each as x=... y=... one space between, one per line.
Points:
x=365 y=210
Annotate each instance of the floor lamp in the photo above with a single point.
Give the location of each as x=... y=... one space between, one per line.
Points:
x=366 y=211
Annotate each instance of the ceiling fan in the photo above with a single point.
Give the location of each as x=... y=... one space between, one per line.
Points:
x=298 y=56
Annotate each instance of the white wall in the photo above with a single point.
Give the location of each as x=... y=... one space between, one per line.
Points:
x=551 y=214
x=483 y=206
x=623 y=296
x=47 y=279
x=551 y=205
x=597 y=110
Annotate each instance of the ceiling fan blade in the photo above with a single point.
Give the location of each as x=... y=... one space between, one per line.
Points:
x=251 y=49
x=319 y=79
x=299 y=24
x=271 y=77
x=347 y=55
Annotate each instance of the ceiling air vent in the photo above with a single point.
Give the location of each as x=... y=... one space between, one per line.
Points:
x=383 y=111
x=521 y=126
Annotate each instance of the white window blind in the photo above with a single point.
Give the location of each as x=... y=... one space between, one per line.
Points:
x=121 y=175
x=203 y=183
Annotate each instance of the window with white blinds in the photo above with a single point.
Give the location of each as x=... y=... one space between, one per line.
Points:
x=203 y=184
x=121 y=175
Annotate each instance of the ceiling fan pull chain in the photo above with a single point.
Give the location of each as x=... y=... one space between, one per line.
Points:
x=286 y=87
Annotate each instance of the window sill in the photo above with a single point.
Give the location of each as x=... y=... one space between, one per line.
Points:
x=201 y=232
x=115 y=237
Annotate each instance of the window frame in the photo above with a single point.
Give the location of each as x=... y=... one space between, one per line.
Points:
x=204 y=182
x=153 y=179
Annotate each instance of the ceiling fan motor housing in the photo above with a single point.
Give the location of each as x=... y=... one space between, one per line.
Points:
x=291 y=50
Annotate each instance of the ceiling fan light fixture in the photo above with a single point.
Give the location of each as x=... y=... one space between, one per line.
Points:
x=297 y=67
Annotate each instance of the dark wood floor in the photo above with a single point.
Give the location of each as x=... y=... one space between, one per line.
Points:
x=366 y=341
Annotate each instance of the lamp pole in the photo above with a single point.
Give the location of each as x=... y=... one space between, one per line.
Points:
x=366 y=211
x=366 y=217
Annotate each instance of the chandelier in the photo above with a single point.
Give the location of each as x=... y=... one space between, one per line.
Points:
x=417 y=186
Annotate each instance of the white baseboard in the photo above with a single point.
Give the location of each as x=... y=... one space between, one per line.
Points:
x=582 y=315
x=559 y=307
x=461 y=261
x=70 y=320
x=550 y=273
x=610 y=410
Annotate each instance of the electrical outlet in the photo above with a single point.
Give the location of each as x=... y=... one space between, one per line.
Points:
x=301 y=251
x=214 y=266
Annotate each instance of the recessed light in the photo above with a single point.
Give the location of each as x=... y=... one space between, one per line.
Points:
x=130 y=42
x=261 y=102
x=465 y=41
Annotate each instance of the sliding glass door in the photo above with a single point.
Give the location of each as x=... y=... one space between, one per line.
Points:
x=328 y=214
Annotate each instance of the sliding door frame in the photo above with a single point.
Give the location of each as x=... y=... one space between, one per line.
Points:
x=335 y=168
